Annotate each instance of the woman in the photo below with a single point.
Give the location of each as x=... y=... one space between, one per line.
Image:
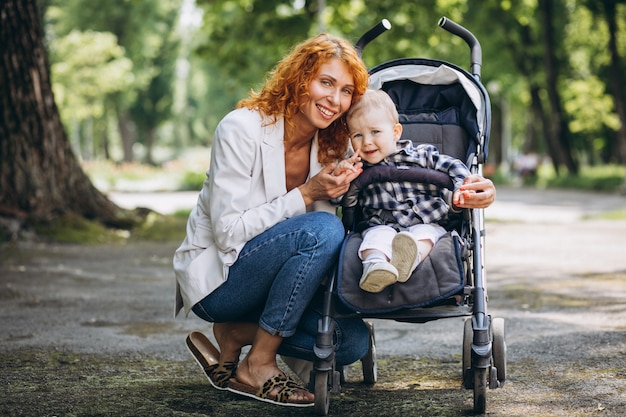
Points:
x=263 y=234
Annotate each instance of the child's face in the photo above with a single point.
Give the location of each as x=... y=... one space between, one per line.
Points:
x=374 y=134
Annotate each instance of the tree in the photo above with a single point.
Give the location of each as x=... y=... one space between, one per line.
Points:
x=529 y=35
x=558 y=126
x=616 y=69
x=154 y=105
x=145 y=31
x=40 y=178
x=86 y=68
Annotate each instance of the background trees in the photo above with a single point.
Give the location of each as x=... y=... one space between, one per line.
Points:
x=556 y=66
x=133 y=78
x=145 y=32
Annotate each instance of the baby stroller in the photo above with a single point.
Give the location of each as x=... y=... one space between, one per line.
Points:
x=441 y=104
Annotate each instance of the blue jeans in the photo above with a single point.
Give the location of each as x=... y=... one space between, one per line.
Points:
x=276 y=282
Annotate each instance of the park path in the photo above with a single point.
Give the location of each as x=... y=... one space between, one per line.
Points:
x=556 y=273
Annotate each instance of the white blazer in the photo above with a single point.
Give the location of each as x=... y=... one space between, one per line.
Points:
x=244 y=195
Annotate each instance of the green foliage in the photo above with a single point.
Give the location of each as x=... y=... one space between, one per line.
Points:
x=602 y=178
x=161 y=228
x=175 y=83
x=145 y=36
x=245 y=39
x=148 y=226
x=590 y=106
x=88 y=66
x=75 y=229
x=192 y=181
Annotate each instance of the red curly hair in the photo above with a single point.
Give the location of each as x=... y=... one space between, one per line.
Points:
x=286 y=88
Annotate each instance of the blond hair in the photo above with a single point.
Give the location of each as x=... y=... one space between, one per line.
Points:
x=377 y=99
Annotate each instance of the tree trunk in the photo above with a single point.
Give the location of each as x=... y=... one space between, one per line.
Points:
x=539 y=116
x=526 y=47
x=149 y=145
x=127 y=135
x=40 y=178
x=616 y=78
x=559 y=129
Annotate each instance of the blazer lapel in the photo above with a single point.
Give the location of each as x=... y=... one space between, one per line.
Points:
x=273 y=159
x=273 y=156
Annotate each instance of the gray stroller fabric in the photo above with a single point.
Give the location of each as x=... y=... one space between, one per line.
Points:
x=437 y=277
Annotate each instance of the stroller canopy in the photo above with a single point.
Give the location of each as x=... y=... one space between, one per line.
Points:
x=417 y=84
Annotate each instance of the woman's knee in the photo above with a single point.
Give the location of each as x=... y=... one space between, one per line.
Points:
x=326 y=227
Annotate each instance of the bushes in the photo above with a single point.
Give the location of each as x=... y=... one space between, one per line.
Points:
x=608 y=178
x=604 y=178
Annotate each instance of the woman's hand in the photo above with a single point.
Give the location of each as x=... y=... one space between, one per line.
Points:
x=328 y=184
x=476 y=192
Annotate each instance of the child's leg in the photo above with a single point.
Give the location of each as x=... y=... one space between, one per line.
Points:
x=375 y=252
x=377 y=243
x=410 y=247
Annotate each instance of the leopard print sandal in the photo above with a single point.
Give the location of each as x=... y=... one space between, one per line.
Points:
x=285 y=388
x=207 y=356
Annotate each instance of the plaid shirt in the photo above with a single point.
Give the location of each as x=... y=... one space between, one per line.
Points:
x=411 y=203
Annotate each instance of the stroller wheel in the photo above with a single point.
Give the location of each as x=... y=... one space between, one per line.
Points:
x=480 y=390
x=343 y=374
x=499 y=349
x=468 y=335
x=370 y=369
x=322 y=397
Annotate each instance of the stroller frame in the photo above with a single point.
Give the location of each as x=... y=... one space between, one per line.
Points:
x=484 y=347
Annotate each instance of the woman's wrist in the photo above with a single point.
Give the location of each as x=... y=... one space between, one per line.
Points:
x=306 y=196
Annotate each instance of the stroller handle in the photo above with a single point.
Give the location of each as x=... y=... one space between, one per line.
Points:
x=372 y=34
x=475 y=49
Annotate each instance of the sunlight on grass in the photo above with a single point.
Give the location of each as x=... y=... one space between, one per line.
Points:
x=74 y=229
x=185 y=173
x=594 y=178
x=609 y=215
x=162 y=228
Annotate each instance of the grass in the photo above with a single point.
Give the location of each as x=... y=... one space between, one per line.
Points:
x=612 y=215
x=186 y=173
x=608 y=178
x=162 y=228
x=70 y=228
x=52 y=382
x=603 y=178
x=74 y=229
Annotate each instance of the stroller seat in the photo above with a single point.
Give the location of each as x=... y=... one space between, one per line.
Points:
x=436 y=279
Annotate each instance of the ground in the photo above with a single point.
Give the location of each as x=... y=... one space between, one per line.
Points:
x=89 y=330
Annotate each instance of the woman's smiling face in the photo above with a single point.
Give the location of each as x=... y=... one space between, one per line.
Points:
x=330 y=94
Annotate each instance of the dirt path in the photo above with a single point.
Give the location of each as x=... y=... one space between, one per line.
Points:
x=88 y=331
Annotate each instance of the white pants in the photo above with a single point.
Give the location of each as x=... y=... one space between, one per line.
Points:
x=379 y=237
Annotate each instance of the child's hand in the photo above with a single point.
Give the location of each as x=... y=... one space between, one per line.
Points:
x=352 y=164
x=460 y=197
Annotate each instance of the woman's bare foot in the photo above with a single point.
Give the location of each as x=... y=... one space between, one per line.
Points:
x=231 y=337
